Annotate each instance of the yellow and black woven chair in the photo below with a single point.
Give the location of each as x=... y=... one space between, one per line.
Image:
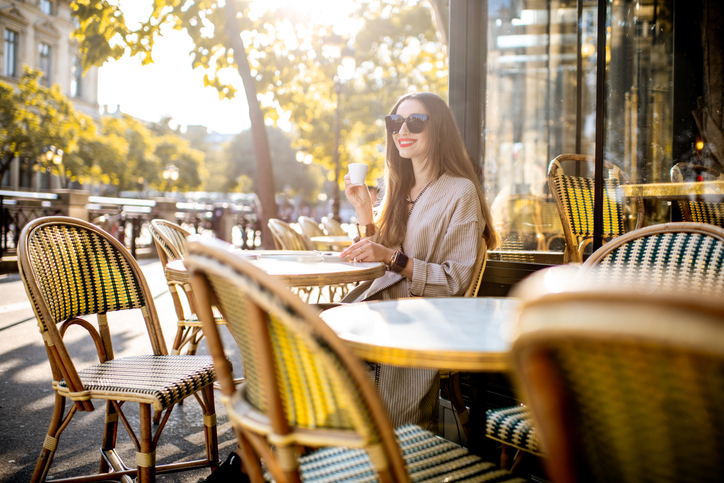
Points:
x=286 y=237
x=573 y=196
x=450 y=380
x=625 y=386
x=693 y=210
x=72 y=269
x=333 y=227
x=305 y=387
x=310 y=228
x=669 y=257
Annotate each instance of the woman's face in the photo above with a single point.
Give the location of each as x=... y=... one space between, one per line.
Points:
x=412 y=146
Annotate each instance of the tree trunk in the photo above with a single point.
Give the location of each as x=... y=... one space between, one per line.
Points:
x=265 y=176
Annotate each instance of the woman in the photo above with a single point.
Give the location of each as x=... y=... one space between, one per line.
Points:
x=427 y=230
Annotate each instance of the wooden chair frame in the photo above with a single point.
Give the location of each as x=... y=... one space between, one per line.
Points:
x=169 y=239
x=67 y=382
x=691 y=326
x=258 y=430
x=574 y=249
x=286 y=237
x=333 y=227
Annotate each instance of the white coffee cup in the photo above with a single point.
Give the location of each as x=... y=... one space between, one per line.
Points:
x=357 y=173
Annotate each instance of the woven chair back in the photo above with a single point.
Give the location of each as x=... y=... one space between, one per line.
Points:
x=625 y=388
x=286 y=237
x=71 y=269
x=333 y=227
x=574 y=199
x=170 y=239
x=672 y=256
x=298 y=373
x=698 y=211
x=310 y=227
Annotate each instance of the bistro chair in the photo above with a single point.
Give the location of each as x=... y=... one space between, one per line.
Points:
x=310 y=229
x=306 y=388
x=668 y=257
x=72 y=269
x=625 y=387
x=286 y=237
x=450 y=380
x=693 y=210
x=170 y=241
x=573 y=196
x=333 y=227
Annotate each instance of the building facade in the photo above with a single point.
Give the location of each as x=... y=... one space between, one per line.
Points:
x=37 y=34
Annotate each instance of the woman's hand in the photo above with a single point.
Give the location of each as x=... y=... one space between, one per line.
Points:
x=359 y=198
x=367 y=251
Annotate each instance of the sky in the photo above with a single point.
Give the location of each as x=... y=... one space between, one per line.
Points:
x=171 y=88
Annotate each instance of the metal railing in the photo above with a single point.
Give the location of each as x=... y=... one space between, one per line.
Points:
x=18 y=208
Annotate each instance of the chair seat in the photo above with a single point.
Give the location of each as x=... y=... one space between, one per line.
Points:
x=427 y=458
x=158 y=380
x=513 y=426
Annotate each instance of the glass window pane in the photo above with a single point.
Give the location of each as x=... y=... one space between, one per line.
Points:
x=76 y=78
x=45 y=63
x=11 y=53
x=46 y=7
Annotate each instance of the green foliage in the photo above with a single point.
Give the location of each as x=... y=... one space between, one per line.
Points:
x=33 y=118
x=291 y=177
x=396 y=47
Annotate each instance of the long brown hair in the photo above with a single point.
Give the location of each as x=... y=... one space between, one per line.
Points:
x=446 y=154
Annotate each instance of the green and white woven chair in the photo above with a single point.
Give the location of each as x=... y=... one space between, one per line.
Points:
x=573 y=196
x=693 y=210
x=669 y=257
x=625 y=387
x=72 y=269
x=304 y=387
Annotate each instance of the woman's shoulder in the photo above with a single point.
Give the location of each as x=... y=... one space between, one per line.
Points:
x=457 y=186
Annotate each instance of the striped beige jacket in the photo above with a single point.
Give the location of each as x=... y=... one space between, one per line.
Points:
x=443 y=233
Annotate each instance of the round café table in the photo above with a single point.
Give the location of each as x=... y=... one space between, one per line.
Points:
x=464 y=334
x=298 y=268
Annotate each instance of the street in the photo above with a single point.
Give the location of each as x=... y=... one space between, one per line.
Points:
x=27 y=398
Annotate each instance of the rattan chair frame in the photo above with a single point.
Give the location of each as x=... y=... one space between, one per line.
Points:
x=51 y=262
x=286 y=237
x=574 y=248
x=681 y=331
x=170 y=241
x=333 y=227
x=589 y=267
x=268 y=301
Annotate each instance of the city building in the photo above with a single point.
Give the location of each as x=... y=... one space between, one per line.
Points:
x=37 y=33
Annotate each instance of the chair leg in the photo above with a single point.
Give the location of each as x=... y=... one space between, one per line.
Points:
x=110 y=433
x=210 y=429
x=146 y=458
x=452 y=390
x=57 y=424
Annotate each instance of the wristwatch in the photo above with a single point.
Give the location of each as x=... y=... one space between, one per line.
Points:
x=398 y=262
x=366 y=230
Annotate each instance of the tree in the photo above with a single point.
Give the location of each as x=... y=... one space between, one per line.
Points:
x=292 y=177
x=34 y=118
x=103 y=34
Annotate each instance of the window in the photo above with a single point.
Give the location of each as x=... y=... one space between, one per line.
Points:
x=76 y=78
x=46 y=7
x=11 y=53
x=45 y=63
x=538 y=66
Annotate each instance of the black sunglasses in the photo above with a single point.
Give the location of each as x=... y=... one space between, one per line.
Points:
x=415 y=123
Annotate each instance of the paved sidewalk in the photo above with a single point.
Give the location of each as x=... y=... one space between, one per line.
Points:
x=26 y=395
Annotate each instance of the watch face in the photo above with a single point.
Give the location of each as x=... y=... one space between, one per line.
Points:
x=400 y=262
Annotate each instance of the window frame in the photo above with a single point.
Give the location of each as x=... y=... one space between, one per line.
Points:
x=468 y=51
x=15 y=50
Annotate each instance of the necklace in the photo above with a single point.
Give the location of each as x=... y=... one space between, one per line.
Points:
x=418 y=196
x=413 y=202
